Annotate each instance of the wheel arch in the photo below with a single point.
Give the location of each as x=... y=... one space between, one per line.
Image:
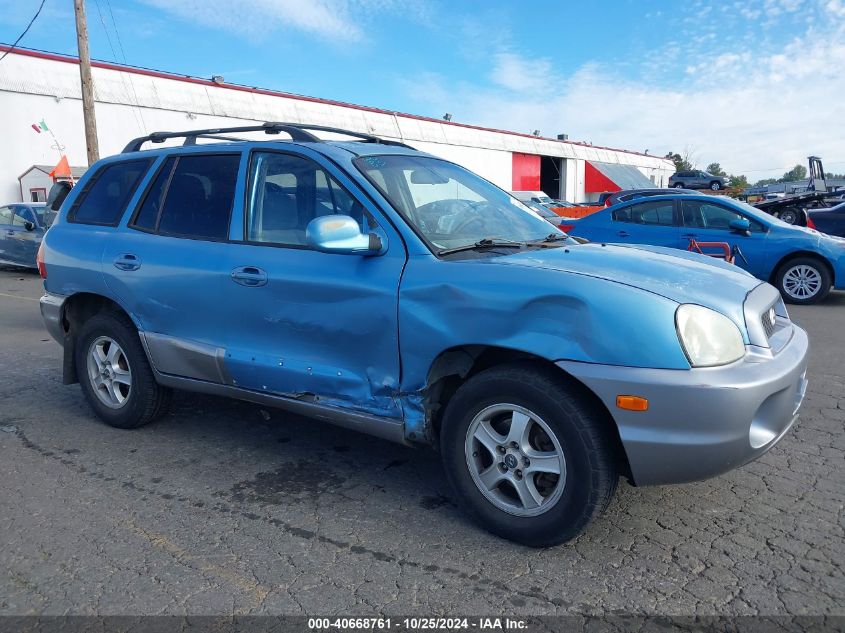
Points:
x=453 y=366
x=78 y=308
x=797 y=254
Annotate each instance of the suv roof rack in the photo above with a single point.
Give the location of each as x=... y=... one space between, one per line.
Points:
x=296 y=131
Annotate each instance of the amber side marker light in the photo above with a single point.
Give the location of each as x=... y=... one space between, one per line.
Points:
x=632 y=403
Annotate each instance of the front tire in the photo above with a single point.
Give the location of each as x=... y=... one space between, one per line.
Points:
x=803 y=280
x=715 y=186
x=527 y=454
x=114 y=373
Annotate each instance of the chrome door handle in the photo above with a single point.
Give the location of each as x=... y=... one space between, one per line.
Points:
x=127 y=261
x=623 y=233
x=249 y=276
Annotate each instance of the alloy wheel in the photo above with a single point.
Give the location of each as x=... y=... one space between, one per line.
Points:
x=802 y=282
x=109 y=372
x=515 y=460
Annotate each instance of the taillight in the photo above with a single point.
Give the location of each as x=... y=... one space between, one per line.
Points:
x=566 y=228
x=810 y=223
x=39 y=260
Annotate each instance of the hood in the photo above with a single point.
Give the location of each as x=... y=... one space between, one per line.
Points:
x=675 y=274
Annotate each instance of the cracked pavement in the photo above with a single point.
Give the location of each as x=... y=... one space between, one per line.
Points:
x=224 y=507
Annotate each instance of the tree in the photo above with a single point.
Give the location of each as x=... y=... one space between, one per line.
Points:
x=737 y=182
x=766 y=181
x=716 y=169
x=682 y=163
x=799 y=172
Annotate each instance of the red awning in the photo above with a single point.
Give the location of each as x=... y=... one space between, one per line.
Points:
x=600 y=177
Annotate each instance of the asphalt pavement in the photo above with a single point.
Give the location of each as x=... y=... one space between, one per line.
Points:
x=224 y=507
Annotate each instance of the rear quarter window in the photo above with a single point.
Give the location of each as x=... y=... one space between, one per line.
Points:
x=105 y=196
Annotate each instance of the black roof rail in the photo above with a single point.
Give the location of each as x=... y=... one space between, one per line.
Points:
x=296 y=131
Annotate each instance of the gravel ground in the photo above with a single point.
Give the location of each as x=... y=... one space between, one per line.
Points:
x=223 y=507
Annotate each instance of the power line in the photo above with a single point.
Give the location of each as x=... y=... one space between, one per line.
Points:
x=139 y=122
x=123 y=54
x=785 y=167
x=20 y=37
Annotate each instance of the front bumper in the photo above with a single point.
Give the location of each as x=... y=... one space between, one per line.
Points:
x=52 y=307
x=702 y=422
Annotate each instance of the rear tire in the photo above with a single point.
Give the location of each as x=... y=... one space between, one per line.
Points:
x=546 y=487
x=114 y=373
x=679 y=185
x=803 y=280
x=790 y=216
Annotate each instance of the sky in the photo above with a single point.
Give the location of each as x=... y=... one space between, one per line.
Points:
x=756 y=85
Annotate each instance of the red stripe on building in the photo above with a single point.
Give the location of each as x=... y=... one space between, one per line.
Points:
x=69 y=59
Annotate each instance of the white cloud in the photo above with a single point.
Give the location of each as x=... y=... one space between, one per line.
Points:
x=836 y=7
x=521 y=74
x=337 y=20
x=758 y=107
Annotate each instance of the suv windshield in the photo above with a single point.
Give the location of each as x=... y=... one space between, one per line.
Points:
x=449 y=206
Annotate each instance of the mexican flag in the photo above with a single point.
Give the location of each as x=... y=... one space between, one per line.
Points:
x=40 y=126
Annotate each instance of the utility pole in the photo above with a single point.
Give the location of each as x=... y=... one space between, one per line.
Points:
x=87 y=83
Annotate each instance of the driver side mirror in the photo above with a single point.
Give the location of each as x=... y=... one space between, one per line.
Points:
x=341 y=234
x=740 y=225
x=29 y=226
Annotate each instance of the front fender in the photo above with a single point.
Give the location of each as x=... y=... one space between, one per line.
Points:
x=550 y=314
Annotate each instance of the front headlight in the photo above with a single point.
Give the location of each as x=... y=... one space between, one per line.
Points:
x=708 y=337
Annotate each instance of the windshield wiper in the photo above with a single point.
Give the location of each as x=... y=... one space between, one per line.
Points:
x=551 y=237
x=487 y=242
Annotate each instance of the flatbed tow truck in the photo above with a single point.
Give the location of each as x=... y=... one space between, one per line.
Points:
x=792 y=208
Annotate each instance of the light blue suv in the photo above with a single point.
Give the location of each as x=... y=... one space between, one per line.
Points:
x=373 y=286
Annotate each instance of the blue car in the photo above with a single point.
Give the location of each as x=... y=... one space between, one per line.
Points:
x=800 y=262
x=370 y=285
x=22 y=225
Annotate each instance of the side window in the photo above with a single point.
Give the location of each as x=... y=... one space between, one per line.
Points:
x=106 y=194
x=21 y=216
x=198 y=192
x=622 y=215
x=657 y=213
x=147 y=216
x=286 y=192
x=5 y=215
x=703 y=215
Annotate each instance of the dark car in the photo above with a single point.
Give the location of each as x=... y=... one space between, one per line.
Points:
x=22 y=225
x=608 y=199
x=830 y=221
x=697 y=179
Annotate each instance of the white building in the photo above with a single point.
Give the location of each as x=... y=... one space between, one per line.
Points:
x=134 y=102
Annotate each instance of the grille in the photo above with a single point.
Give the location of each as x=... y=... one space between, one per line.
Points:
x=769 y=321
